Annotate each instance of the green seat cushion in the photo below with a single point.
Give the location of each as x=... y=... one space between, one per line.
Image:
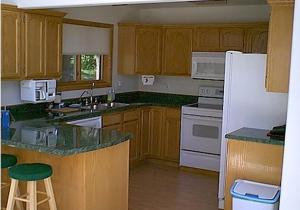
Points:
x=8 y=160
x=30 y=171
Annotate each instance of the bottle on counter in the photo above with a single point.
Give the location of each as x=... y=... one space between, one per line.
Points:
x=111 y=96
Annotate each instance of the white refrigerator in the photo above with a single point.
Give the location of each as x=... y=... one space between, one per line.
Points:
x=246 y=102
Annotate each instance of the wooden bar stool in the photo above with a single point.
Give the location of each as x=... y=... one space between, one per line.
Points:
x=8 y=161
x=30 y=172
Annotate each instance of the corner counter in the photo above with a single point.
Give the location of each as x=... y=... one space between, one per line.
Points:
x=90 y=165
x=252 y=155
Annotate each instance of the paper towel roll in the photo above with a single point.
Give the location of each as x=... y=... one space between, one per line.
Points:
x=148 y=79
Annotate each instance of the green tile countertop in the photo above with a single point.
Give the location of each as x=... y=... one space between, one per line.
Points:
x=58 y=138
x=253 y=135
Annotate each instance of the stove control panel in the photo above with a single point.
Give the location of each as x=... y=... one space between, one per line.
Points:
x=215 y=92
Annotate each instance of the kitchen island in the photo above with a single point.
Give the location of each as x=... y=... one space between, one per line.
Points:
x=90 y=165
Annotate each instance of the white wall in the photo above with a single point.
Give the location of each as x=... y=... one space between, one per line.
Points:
x=291 y=171
x=13 y=2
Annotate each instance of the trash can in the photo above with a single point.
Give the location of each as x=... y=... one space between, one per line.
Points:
x=248 y=195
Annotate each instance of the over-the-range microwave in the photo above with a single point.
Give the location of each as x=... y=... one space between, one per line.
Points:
x=208 y=65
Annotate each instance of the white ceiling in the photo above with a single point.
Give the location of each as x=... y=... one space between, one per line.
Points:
x=138 y=3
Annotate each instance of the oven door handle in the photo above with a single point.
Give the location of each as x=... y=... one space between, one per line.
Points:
x=192 y=117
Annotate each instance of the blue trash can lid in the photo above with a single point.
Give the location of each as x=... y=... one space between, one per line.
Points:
x=254 y=191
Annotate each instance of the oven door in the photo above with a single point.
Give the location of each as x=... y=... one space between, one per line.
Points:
x=201 y=134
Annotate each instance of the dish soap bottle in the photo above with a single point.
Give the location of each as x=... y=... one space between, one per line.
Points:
x=110 y=97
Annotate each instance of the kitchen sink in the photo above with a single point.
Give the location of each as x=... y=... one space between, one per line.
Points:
x=95 y=122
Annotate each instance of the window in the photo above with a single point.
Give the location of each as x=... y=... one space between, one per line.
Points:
x=87 y=52
x=89 y=67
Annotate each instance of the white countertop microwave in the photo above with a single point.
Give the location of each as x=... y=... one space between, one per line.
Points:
x=208 y=65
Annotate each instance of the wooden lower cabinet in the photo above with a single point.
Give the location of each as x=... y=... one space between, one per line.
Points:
x=145 y=133
x=252 y=161
x=157 y=117
x=155 y=130
x=171 y=135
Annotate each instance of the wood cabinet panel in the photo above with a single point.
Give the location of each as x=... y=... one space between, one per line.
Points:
x=34 y=45
x=177 y=51
x=279 y=47
x=133 y=127
x=126 y=50
x=53 y=46
x=232 y=39
x=157 y=118
x=256 y=40
x=10 y=44
x=111 y=119
x=148 y=50
x=145 y=133
x=131 y=115
x=171 y=136
x=206 y=39
x=252 y=161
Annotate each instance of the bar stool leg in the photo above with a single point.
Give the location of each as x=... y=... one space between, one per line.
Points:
x=31 y=187
x=19 y=204
x=50 y=193
x=12 y=193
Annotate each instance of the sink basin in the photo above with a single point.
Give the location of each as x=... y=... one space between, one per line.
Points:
x=95 y=122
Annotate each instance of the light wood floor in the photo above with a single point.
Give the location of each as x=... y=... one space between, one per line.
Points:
x=156 y=187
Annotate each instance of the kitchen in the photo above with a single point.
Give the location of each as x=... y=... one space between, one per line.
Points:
x=164 y=86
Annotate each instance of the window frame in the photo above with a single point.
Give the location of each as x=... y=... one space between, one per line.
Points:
x=106 y=80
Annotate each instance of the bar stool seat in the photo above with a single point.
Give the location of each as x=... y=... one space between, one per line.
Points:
x=30 y=171
x=8 y=160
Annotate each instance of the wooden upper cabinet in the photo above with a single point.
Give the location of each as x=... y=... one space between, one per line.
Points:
x=177 y=51
x=256 y=40
x=232 y=39
x=126 y=49
x=34 y=39
x=53 y=47
x=279 y=46
x=148 y=50
x=206 y=39
x=171 y=135
x=11 y=44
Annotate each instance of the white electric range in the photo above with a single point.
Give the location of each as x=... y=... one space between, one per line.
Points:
x=201 y=128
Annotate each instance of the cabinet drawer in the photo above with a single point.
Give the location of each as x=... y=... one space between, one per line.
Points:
x=112 y=119
x=131 y=115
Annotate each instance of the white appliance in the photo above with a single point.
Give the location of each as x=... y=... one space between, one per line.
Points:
x=208 y=65
x=246 y=102
x=201 y=126
x=37 y=91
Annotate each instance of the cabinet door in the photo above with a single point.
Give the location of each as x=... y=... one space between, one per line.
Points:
x=34 y=45
x=11 y=45
x=148 y=50
x=112 y=119
x=171 y=136
x=206 y=39
x=279 y=48
x=232 y=39
x=53 y=48
x=256 y=40
x=177 y=51
x=133 y=128
x=126 y=50
x=156 y=132
x=145 y=133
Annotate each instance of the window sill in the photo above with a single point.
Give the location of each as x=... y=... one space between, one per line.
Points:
x=79 y=85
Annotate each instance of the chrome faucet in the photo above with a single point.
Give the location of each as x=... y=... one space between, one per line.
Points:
x=92 y=103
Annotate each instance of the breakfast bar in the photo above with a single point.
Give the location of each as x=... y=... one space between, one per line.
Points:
x=90 y=165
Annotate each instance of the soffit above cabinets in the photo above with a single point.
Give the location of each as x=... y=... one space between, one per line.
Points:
x=38 y=4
